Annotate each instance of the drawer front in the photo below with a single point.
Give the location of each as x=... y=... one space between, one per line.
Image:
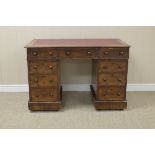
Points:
x=39 y=53
x=77 y=52
x=111 y=93
x=112 y=66
x=114 y=53
x=118 y=79
x=43 y=80
x=46 y=94
x=43 y=67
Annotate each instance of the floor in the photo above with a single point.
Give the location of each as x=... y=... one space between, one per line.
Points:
x=78 y=113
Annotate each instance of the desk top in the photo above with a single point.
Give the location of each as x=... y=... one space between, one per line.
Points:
x=76 y=43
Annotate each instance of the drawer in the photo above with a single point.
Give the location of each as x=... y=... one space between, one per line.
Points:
x=43 y=67
x=43 y=80
x=114 y=53
x=39 y=53
x=112 y=79
x=77 y=52
x=111 y=93
x=112 y=66
x=46 y=94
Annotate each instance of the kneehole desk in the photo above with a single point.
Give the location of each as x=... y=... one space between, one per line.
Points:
x=109 y=71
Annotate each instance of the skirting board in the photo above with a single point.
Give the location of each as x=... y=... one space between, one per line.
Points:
x=76 y=87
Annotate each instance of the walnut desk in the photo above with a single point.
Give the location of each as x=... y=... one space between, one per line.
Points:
x=109 y=71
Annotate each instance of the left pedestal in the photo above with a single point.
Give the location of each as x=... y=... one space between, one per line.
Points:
x=45 y=92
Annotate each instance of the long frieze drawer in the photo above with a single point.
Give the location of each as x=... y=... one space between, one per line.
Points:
x=38 y=53
x=77 y=52
x=43 y=67
x=43 y=80
x=111 y=93
x=112 y=79
x=114 y=52
x=46 y=94
x=112 y=66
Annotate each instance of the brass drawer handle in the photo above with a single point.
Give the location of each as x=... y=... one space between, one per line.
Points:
x=121 y=53
x=35 y=67
x=104 y=80
x=50 y=53
x=118 y=94
x=120 y=80
x=67 y=52
x=37 y=96
x=50 y=67
x=89 y=52
x=35 y=53
x=120 y=67
x=106 y=53
x=51 y=94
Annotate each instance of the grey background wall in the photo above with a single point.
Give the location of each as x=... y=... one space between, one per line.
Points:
x=13 y=66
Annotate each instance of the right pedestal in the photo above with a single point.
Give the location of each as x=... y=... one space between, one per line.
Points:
x=109 y=82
